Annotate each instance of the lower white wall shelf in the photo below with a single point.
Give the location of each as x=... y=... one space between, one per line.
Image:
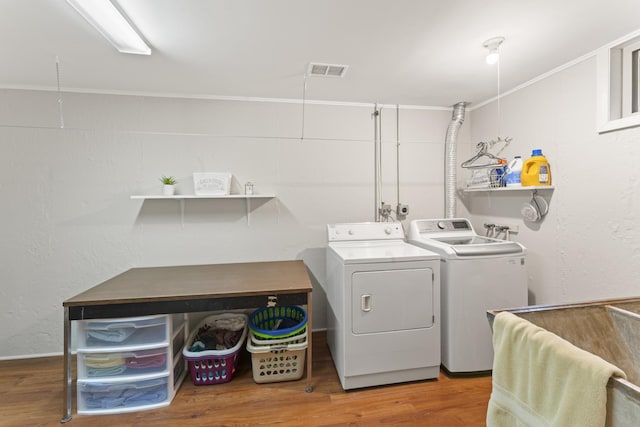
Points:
x=534 y=211
x=182 y=197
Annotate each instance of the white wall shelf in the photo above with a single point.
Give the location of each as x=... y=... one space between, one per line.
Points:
x=536 y=200
x=193 y=196
x=527 y=188
x=182 y=197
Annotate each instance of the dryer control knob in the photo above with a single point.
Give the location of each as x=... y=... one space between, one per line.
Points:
x=442 y=225
x=350 y=232
x=388 y=230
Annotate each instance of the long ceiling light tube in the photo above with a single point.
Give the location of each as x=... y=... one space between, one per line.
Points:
x=109 y=22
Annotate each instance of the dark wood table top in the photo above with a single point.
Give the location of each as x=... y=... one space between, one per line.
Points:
x=156 y=284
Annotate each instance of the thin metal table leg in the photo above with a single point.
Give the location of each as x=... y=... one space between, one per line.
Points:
x=66 y=410
x=309 y=388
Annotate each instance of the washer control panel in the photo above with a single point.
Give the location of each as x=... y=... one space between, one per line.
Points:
x=426 y=226
x=365 y=231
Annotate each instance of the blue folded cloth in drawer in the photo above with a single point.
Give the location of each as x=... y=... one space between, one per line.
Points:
x=106 y=372
x=109 y=396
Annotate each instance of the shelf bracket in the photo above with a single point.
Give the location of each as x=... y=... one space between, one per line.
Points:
x=248 y=208
x=182 y=212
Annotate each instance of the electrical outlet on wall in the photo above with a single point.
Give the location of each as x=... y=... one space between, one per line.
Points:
x=402 y=209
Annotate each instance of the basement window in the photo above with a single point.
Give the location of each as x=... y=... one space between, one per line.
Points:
x=619 y=84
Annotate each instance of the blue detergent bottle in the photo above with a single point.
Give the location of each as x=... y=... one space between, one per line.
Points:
x=514 y=170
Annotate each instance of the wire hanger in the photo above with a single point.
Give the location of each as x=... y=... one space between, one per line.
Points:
x=483 y=151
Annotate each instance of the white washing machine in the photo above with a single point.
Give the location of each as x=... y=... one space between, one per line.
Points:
x=383 y=311
x=478 y=274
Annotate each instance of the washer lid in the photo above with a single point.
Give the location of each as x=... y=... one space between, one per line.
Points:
x=358 y=252
x=470 y=246
x=456 y=237
x=496 y=248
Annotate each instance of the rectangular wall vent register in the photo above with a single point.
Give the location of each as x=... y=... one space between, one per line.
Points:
x=326 y=70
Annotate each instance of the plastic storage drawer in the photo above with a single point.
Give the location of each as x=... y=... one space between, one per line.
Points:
x=123 y=334
x=123 y=364
x=96 y=397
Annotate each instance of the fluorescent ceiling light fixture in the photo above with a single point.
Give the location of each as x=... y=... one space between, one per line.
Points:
x=494 y=49
x=113 y=26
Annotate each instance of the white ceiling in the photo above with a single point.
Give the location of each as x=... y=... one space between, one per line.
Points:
x=409 y=52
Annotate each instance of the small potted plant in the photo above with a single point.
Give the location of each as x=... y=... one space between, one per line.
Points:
x=169 y=185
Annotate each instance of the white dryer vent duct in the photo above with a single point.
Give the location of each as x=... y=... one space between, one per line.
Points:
x=450 y=166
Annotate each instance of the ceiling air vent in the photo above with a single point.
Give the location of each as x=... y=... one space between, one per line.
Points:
x=327 y=70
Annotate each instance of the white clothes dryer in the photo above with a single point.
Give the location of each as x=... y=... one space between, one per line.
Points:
x=478 y=274
x=383 y=311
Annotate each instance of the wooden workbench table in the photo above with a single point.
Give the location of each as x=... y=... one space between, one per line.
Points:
x=186 y=289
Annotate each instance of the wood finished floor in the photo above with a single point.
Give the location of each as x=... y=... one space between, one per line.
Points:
x=31 y=395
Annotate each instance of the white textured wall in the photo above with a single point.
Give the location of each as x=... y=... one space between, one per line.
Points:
x=68 y=222
x=588 y=246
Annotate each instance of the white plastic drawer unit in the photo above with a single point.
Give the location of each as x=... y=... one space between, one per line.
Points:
x=179 y=370
x=124 y=334
x=129 y=364
x=137 y=363
x=178 y=342
x=96 y=397
x=178 y=320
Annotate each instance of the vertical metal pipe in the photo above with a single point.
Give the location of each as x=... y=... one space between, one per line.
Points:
x=377 y=162
x=380 y=201
x=66 y=387
x=450 y=169
x=397 y=155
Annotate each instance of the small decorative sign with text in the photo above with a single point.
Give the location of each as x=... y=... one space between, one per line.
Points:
x=211 y=183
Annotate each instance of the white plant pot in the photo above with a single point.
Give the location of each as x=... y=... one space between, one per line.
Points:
x=168 y=190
